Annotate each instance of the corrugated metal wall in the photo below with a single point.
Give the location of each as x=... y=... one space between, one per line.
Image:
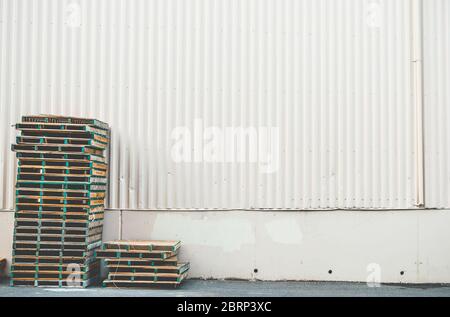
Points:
x=437 y=102
x=333 y=76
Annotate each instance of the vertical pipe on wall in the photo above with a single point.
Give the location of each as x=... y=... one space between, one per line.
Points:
x=417 y=82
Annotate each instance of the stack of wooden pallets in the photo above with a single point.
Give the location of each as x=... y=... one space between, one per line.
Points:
x=60 y=196
x=143 y=263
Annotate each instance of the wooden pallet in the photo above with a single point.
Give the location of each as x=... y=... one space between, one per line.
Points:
x=63 y=128
x=36 y=246
x=60 y=193
x=55 y=253
x=61 y=178
x=64 y=145
x=47 y=231
x=144 y=277
x=54 y=282
x=41 y=210
x=96 y=143
x=68 y=164
x=95 y=229
x=54 y=267
x=58 y=201
x=56 y=260
x=132 y=262
x=60 y=272
x=59 y=216
x=61 y=171
x=58 y=157
x=57 y=223
x=46 y=118
x=60 y=204
x=20 y=148
x=178 y=268
x=145 y=283
x=58 y=210
x=61 y=186
x=42 y=239
x=152 y=245
x=111 y=253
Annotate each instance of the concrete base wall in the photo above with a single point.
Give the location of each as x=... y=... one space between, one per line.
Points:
x=397 y=246
x=6 y=235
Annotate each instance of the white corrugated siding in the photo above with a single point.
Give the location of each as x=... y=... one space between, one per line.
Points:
x=333 y=75
x=437 y=102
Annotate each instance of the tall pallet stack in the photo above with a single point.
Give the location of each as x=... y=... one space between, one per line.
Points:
x=143 y=264
x=60 y=196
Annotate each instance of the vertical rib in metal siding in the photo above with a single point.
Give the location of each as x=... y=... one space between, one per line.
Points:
x=437 y=101
x=337 y=89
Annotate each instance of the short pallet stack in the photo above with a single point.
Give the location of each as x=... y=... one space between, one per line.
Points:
x=60 y=195
x=143 y=264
